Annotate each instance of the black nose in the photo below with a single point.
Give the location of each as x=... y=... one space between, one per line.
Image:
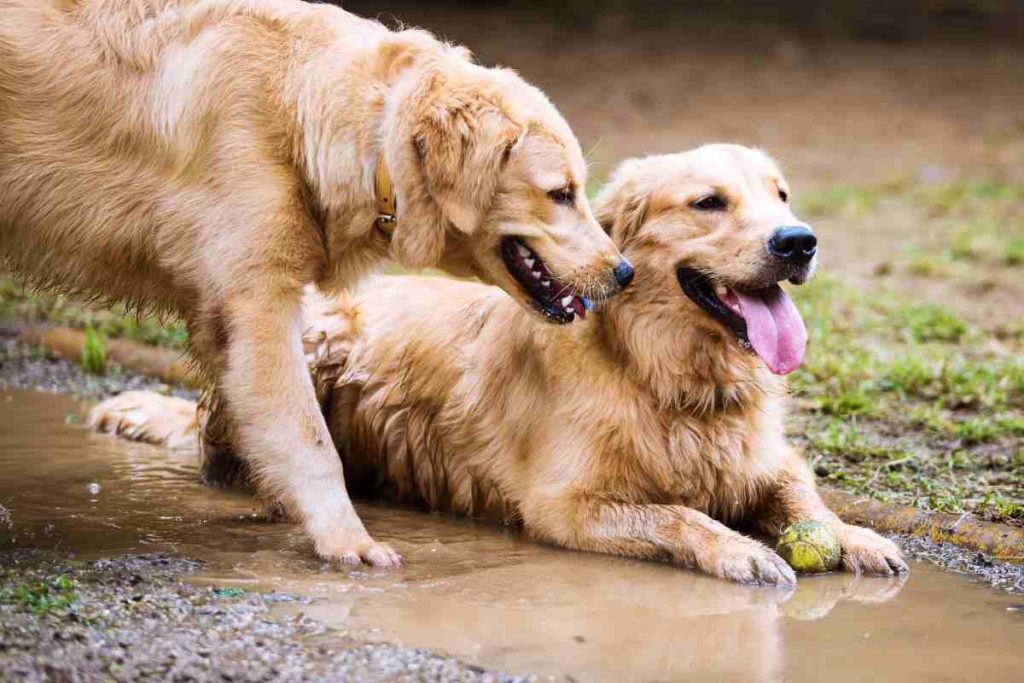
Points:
x=794 y=244
x=623 y=274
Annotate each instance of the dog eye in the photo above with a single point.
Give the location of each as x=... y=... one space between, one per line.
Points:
x=564 y=195
x=783 y=195
x=712 y=202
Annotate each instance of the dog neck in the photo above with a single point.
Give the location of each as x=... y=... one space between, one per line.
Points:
x=682 y=361
x=331 y=133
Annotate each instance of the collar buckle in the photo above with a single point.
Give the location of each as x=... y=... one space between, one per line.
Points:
x=387 y=205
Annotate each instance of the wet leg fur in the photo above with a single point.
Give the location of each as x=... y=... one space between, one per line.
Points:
x=675 y=533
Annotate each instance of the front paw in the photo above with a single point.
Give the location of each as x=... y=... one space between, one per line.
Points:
x=865 y=552
x=352 y=547
x=744 y=560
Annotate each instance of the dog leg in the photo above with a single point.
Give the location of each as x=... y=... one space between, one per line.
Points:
x=795 y=498
x=281 y=432
x=219 y=464
x=682 y=535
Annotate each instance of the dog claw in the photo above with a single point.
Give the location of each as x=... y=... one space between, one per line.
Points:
x=773 y=572
x=898 y=565
x=865 y=552
x=755 y=564
x=363 y=550
x=380 y=555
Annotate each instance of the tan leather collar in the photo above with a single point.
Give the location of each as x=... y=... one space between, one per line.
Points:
x=387 y=204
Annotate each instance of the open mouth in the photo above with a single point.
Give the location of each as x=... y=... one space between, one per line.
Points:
x=553 y=298
x=764 y=320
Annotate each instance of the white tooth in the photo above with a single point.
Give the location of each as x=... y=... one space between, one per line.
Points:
x=523 y=251
x=535 y=274
x=545 y=283
x=529 y=262
x=722 y=291
x=567 y=301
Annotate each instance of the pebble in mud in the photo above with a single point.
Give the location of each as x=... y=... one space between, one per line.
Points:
x=1002 y=576
x=134 y=619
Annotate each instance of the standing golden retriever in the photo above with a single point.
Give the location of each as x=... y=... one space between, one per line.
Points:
x=214 y=156
x=642 y=432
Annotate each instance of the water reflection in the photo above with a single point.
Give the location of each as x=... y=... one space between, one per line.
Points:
x=485 y=594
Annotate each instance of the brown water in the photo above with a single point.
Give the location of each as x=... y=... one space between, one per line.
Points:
x=483 y=594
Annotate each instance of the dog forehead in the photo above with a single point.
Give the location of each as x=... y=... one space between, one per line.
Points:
x=732 y=168
x=547 y=161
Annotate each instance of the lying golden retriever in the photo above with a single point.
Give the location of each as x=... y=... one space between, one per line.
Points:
x=642 y=432
x=212 y=157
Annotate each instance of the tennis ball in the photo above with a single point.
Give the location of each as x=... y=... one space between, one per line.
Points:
x=809 y=547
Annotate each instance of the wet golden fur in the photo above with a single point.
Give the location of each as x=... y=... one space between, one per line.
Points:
x=212 y=157
x=643 y=432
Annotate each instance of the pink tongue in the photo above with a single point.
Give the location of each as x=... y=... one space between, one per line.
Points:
x=774 y=328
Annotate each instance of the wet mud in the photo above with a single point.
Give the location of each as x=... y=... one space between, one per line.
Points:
x=473 y=591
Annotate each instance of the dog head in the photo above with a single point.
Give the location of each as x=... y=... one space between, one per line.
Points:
x=712 y=234
x=490 y=182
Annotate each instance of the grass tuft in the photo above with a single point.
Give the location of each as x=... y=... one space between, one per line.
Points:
x=94 y=352
x=42 y=597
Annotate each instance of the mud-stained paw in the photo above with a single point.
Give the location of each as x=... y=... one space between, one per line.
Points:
x=353 y=549
x=865 y=552
x=149 y=417
x=746 y=561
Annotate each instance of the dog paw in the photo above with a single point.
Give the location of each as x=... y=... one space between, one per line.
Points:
x=354 y=549
x=147 y=416
x=747 y=561
x=865 y=552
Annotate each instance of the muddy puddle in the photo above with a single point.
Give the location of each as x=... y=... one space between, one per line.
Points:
x=481 y=593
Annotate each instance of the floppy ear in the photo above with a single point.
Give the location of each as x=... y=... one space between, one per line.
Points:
x=462 y=150
x=457 y=144
x=621 y=207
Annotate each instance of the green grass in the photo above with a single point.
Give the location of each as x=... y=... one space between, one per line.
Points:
x=906 y=400
x=94 y=352
x=1013 y=252
x=865 y=351
x=116 y=321
x=42 y=597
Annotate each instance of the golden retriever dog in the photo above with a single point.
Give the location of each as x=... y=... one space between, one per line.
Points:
x=212 y=157
x=651 y=430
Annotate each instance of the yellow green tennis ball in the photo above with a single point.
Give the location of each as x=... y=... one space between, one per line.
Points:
x=809 y=547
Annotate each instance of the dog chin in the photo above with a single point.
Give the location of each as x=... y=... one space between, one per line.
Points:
x=803 y=274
